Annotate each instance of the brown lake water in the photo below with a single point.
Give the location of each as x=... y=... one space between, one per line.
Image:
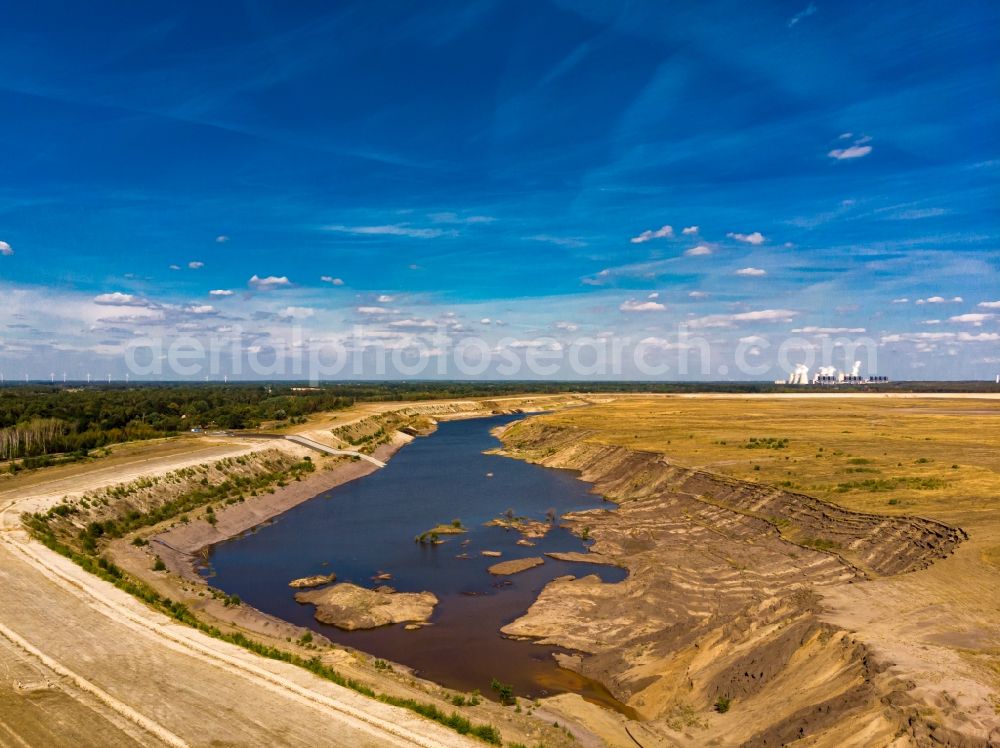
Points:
x=367 y=527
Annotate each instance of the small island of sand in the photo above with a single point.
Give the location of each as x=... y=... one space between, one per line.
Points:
x=350 y=607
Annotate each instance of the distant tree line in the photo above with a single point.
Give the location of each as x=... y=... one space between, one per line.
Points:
x=38 y=420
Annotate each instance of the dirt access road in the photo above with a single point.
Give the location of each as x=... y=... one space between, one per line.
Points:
x=82 y=663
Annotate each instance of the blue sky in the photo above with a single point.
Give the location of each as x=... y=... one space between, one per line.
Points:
x=619 y=171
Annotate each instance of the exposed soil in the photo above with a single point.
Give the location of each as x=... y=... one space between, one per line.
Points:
x=350 y=607
x=516 y=565
x=317 y=580
x=721 y=603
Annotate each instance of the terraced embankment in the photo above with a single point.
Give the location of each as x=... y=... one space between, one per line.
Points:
x=715 y=635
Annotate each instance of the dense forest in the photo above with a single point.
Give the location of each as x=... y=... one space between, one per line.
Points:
x=39 y=420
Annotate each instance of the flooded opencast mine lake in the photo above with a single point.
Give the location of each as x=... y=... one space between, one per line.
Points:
x=367 y=527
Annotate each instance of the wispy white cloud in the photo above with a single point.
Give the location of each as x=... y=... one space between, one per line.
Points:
x=332 y=281
x=220 y=292
x=754 y=237
x=989 y=304
x=455 y=218
x=805 y=13
x=858 y=149
x=395 y=229
x=196 y=265
x=915 y=214
x=559 y=241
x=6 y=250
x=751 y=272
x=902 y=300
x=664 y=232
x=689 y=230
x=697 y=295
x=269 y=283
x=385 y=298
x=373 y=310
x=702 y=250
x=632 y=305
x=222 y=239
x=201 y=309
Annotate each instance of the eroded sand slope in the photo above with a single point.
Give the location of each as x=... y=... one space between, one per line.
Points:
x=722 y=601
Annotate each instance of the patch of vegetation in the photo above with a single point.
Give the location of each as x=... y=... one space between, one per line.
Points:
x=504 y=691
x=821 y=544
x=767 y=442
x=722 y=704
x=891 y=484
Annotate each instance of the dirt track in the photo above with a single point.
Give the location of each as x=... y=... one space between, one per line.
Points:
x=117 y=673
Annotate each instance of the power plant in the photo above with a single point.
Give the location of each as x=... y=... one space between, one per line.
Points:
x=830 y=375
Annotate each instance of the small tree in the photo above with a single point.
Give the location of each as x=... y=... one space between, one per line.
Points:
x=504 y=691
x=722 y=704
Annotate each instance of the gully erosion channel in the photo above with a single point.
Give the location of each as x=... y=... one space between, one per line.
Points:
x=364 y=532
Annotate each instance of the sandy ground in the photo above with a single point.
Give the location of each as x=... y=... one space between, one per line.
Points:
x=176 y=685
x=121 y=674
x=82 y=663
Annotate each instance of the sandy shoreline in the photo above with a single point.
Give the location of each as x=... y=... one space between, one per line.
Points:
x=184 y=548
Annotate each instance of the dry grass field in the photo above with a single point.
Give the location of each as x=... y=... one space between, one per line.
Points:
x=936 y=458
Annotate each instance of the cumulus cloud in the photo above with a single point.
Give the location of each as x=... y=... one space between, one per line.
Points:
x=202 y=309
x=903 y=300
x=384 y=298
x=175 y=267
x=6 y=250
x=373 y=310
x=117 y=298
x=689 y=230
x=730 y=320
x=296 y=312
x=989 y=304
x=412 y=323
x=396 y=229
x=196 y=265
x=220 y=292
x=941 y=300
x=222 y=238
x=755 y=237
x=567 y=326
x=631 y=305
x=331 y=280
x=751 y=272
x=664 y=232
x=699 y=251
x=545 y=344
x=697 y=295
x=269 y=283
x=810 y=330
x=975 y=318
x=924 y=338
